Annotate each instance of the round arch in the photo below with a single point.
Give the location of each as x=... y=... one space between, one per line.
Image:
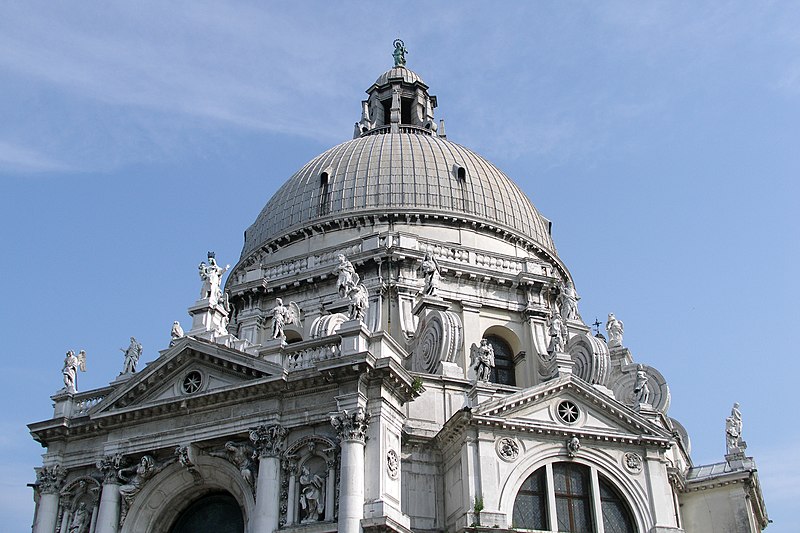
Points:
x=173 y=490
x=603 y=462
x=507 y=335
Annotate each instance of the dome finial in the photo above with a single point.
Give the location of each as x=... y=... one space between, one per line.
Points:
x=399 y=53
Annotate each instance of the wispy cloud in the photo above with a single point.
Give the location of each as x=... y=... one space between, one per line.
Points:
x=20 y=159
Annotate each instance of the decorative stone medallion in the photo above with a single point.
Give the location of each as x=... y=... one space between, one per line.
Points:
x=507 y=449
x=392 y=464
x=568 y=412
x=633 y=462
x=192 y=382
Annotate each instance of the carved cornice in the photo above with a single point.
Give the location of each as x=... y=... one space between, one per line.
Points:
x=109 y=465
x=50 y=479
x=351 y=426
x=269 y=440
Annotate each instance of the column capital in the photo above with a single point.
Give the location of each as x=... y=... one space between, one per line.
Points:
x=109 y=465
x=351 y=425
x=269 y=440
x=50 y=479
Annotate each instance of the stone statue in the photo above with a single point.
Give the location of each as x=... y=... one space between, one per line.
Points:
x=176 y=333
x=573 y=446
x=312 y=500
x=136 y=476
x=211 y=274
x=347 y=279
x=241 y=455
x=556 y=336
x=399 y=53
x=432 y=272
x=615 y=329
x=482 y=360
x=568 y=301
x=641 y=390
x=281 y=315
x=80 y=520
x=359 y=302
x=733 y=430
x=73 y=363
x=132 y=354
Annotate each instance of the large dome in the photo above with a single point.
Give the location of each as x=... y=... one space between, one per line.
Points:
x=404 y=173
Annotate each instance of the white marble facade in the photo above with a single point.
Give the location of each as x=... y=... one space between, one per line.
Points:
x=363 y=411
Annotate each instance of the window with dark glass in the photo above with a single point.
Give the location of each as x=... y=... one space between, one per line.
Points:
x=324 y=195
x=503 y=371
x=573 y=498
x=530 y=507
x=406 y=104
x=617 y=517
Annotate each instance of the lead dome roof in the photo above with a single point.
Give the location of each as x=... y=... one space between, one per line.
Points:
x=404 y=173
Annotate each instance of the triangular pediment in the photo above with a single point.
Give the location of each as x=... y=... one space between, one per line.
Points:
x=568 y=405
x=191 y=369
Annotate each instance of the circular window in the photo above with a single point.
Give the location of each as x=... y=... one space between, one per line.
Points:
x=568 y=412
x=192 y=382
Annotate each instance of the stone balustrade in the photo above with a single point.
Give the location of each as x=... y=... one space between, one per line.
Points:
x=305 y=356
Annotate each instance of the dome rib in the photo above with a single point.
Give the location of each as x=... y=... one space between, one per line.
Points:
x=398 y=173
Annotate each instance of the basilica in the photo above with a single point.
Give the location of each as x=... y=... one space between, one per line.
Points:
x=399 y=348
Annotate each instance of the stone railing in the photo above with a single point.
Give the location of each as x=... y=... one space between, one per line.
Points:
x=303 y=264
x=305 y=355
x=82 y=403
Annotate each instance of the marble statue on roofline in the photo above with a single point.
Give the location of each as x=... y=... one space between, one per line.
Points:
x=283 y=315
x=615 y=329
x=73 y=363
x=359 y=302
x=176 y=333
x=211 y=274
x=733 y=431
x=132 y=354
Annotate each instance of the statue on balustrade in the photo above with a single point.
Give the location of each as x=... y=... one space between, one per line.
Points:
x=430 y=269
x=73 y=363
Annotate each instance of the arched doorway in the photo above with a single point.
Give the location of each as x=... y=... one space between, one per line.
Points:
x=213 y=513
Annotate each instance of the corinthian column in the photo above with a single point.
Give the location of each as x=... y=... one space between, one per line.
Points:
x=352 y=429
x=108 y=513
x=48 y=482
x=269 y=442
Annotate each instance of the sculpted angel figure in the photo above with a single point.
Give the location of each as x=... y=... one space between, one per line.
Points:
x=311 y=497
x=430 y=269
x=176 y=333
x=347 y=278
x=136 y=476
x=359 y=302
x=73 y=363
x=241 y=455
x=482 y=360
x=615 y=329
x=132 y=354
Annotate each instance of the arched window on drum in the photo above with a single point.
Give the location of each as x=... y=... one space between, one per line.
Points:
x=503 y=372
x=560 y=496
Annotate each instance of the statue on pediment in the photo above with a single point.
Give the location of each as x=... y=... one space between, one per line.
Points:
x=555 y=330
x=733 y=430
x=132 y=354
x=176 y=333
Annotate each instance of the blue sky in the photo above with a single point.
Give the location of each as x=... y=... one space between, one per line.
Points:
x=660 y=137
